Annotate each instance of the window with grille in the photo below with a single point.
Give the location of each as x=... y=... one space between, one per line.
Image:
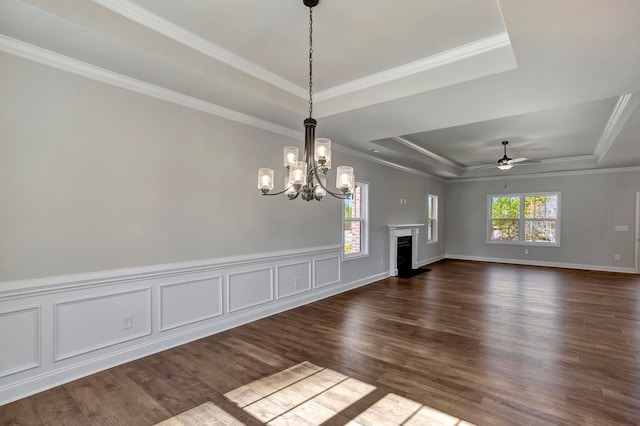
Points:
x=528 y=219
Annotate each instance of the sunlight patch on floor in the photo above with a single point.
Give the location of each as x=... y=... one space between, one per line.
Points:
x=204 y=414
x=306 y=394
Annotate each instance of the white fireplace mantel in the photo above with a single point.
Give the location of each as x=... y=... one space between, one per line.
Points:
x=403 y=230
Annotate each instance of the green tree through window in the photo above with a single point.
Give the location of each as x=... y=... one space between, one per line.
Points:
x=524 y=218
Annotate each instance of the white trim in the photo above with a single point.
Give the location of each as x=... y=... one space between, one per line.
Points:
x=441 y=59
x=434 y=230
x=637 y=251
x=570 y=159
x=548 y=174
x=373 y=159
x=83 y=367
x=58 y=356
x=74 y=66
x=364 y=221
x=521 y=220
x=431 y=260
x=403 y=230
x=442 y=162
x=585 y=267
x=619 y=116
x=36 y=358
x=38 y=286
x=160 y=25
x=164 y=326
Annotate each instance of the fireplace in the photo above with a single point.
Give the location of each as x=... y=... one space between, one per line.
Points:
x=403 y=247
x=403 y=259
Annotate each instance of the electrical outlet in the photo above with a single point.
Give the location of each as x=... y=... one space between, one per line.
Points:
x=526 y=251
x=297 y=282
x=127 y=321
x=616 y=256
x=381 y=261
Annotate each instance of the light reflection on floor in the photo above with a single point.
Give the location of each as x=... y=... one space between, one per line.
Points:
x=306 y=394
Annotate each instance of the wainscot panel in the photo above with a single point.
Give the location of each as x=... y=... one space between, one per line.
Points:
x=91 y=322
x=327 y=271
x=202 y=296
x=88 y=324
x=247 y=289
x=19 y=339
x=293 y=279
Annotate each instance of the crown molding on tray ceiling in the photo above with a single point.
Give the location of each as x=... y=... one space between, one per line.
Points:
x=430 y=62
x=156 y=23
x=160 y=25
x=74 y=66
x=630 y=169
x=619 y=116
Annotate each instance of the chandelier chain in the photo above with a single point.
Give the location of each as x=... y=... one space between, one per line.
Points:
x=310 y=62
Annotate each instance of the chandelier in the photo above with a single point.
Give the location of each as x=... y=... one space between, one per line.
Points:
x=307 y=178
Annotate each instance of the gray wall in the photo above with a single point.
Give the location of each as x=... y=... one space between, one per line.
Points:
x=94 y=177
x=591 y=206
x=386 y=187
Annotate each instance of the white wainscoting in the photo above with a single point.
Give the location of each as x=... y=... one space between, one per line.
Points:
x=19 y=340
x=57 y=329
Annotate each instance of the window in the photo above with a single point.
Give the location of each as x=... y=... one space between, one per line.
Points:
x=529 y=219
x=432 y=218
x=355 y=223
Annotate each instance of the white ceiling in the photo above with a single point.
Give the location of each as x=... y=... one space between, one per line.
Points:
x=431 y=85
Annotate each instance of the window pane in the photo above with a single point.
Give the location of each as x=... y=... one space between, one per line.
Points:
x=551 y=206
x=540 y=231
x=541 y=207
x=353 y=204
x=505 y=207
x=504 y=230
x=352 y=237
x=430 y=230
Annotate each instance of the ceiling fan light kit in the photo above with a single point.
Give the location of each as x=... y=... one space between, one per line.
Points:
x=305 y=178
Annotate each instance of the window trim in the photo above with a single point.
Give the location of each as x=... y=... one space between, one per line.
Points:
x=364 y=220
x=434 y=239
x=522 y=220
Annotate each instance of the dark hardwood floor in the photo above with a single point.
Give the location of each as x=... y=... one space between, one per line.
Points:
x=485 y=343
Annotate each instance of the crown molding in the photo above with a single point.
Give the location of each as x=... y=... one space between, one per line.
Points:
x=355 y=153
x=619 y=116
x=548 y=174
x=154 y=22
x=569 y=159
x=451 y=167
x=65 y=63
x=434 y=61
x=160 y=25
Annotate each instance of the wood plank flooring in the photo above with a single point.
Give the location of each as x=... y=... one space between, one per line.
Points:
x=474 y=342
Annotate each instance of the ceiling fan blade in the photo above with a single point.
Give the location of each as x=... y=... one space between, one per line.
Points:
x=526 y=161
x=518 y=160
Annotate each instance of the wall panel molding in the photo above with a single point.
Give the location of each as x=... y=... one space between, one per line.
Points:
x=20 y=340
x=249 y=288
x=170 y=304
x=203 y=296
x=326 y=271
x=88 y=324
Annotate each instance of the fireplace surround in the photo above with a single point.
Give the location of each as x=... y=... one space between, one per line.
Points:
x=403 y=230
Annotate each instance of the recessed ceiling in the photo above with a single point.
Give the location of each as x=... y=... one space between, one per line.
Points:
x=433 y=86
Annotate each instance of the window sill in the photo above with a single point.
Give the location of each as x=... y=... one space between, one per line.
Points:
x=348 y=257
x=431 y=243
x=524 y=243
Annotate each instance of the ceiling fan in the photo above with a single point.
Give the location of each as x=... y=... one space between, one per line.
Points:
x=505 y=163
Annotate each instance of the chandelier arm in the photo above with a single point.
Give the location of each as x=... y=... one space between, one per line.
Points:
x=333 y=194
x=276 y=193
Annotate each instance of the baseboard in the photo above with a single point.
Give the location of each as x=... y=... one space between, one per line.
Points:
x=431 y=260
x=51 y=374
x=601 y=268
